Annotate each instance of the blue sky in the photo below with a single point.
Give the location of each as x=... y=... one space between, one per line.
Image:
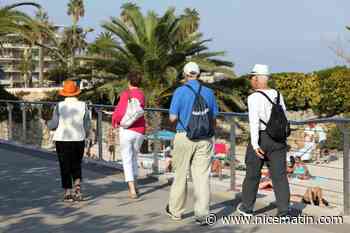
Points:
x=287 y=35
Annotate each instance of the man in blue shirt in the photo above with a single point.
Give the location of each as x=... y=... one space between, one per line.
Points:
x=190 y=154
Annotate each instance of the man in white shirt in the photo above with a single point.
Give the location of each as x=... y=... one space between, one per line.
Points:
x=262 y=148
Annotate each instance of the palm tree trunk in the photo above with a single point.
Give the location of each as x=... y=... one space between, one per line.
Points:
x=25 y=77
x=41 y=65
x=11 y=81
x=75 y=22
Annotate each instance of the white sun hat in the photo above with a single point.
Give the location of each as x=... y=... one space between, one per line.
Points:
x=260 y=69
x=191 y=68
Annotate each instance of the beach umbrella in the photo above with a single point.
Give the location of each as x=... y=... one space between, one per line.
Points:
x=162 y=135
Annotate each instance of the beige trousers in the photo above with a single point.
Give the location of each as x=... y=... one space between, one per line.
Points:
x=193 y=155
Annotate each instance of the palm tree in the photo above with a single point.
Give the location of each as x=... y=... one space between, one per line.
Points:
x=43 y=18
x=73 y=39
x=102 y=45
x=150 y=44
x=16 y=22
x=126 y=8
x=61 y=52
x=27 y=65
x=76 y=11
x=189 y=22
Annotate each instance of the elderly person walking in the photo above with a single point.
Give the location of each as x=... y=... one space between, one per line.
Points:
x=71 y=122
x=194 y=108
x=265 y=147
x=131 y=136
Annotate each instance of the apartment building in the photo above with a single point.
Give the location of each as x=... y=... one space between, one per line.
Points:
x=18 y=59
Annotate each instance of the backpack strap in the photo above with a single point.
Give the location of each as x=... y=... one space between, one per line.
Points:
x=200 y=88
x=278 y=97
x=196 y=95
x=191 y=88
x=268 y=98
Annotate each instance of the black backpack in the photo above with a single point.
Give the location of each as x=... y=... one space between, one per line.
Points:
x=201 y=121
x=278 y=127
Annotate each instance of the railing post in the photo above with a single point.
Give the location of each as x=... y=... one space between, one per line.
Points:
x=233 y=154
x=24 y=122
x=9 y=124
x=346 y=171
x=41 y=125
x=156 y=122
x=40 y=111
x=99 y=134
x=155 y=164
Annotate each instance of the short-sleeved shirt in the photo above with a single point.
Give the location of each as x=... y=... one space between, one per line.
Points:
x=183 y=100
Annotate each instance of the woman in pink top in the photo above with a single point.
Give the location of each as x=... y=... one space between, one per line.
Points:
x=131 y=138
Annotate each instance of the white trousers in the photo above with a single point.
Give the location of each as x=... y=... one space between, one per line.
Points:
x=130 y=144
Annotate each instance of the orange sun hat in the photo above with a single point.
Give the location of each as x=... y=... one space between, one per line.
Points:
x=70 y=89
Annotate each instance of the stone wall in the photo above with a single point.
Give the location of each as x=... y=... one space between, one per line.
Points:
x=40 y=136
x=37 y=133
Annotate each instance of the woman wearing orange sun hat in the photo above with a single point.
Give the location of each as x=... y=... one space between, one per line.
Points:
x=71 y=122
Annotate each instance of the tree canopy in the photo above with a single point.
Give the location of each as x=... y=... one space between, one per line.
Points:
x=158 y=47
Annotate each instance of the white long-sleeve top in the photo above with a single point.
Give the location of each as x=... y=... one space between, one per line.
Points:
x=259 y=108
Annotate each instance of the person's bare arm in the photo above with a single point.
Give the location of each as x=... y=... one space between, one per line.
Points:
x=173 y=118
x=310 y=194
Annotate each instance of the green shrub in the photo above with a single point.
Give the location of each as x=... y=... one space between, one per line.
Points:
x=300 y=91
x=326 y=92
x=335 y=139
x=335 y=93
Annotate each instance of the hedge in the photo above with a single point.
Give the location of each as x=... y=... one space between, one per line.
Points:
x=326 y=92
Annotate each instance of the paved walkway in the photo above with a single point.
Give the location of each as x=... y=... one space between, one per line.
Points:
x=30 y=202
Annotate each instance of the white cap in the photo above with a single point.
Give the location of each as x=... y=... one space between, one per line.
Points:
x=260 y=69
x=191 y=68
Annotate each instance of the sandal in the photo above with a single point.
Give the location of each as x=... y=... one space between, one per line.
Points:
x=67 y=197
x=77 y=193
x=133 y=195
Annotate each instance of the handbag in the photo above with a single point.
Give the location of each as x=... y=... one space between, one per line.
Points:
x=134 y=111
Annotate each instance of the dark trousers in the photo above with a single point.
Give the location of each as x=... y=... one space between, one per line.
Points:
x=275 y=158
x=70 y=155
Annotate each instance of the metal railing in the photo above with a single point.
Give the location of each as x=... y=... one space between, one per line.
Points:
x=23 y=118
